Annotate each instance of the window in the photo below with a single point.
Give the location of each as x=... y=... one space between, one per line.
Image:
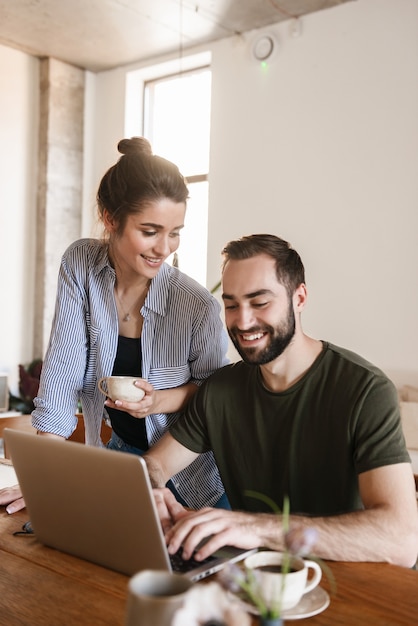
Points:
x=176 y=112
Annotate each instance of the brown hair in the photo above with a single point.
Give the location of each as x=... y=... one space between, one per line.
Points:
x=289 y=267
x=137 y=178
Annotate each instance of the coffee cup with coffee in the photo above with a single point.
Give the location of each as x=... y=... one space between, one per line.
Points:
x=280 y=589
x=121 y=388
x=154 y=596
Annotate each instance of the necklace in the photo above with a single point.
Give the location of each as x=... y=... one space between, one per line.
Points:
x=126 y=316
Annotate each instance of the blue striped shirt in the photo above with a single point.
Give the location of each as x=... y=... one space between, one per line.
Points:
x=183 y=340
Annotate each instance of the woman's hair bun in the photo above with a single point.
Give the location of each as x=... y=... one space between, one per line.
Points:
x=135 y=146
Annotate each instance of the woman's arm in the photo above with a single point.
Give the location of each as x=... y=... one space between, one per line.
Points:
x=156 y=400
x=207 y=352
x=64 y=365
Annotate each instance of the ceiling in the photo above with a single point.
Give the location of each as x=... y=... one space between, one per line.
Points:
x=102 y=34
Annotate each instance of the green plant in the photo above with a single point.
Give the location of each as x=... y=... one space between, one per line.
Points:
x=250 y=583
x=29 y=376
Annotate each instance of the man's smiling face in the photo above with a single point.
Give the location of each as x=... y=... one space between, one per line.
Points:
x=259 y=313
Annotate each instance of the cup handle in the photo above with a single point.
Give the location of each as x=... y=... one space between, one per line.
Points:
x=99 y=384
x=317 y=575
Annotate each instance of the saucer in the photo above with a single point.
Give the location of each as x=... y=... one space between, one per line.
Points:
x=310 y=604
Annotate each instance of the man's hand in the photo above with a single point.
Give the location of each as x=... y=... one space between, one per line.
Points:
x=218 y=527
x=12 y=497
x=169 y=510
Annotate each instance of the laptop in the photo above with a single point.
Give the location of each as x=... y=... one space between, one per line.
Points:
x=97 y=504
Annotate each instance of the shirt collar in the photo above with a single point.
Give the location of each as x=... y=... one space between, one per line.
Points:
x=157 y=296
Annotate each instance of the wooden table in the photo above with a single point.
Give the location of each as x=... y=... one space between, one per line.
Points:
x=41 y=586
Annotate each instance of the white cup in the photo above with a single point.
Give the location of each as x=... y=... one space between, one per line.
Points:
x=296 y=583
x=121 y=388
x=154 y=596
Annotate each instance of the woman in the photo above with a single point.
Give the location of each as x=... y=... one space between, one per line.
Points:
x=122 y=310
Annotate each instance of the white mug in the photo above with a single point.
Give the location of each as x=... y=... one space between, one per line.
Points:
x=274 y=593
x=121 y=388
x=154 y=596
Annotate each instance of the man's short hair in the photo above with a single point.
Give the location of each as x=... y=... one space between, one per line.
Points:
x=289 y=267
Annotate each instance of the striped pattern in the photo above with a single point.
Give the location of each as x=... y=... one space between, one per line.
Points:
x=183 y=340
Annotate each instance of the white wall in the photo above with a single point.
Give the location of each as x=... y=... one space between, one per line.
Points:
x=322 y=149
x=104 y=127
x=19 y=114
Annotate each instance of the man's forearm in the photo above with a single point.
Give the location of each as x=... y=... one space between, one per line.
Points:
x=155 y=472
x=175 y=399
x=368 y=535
x=166 y=458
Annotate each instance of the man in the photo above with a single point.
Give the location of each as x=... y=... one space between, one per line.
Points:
x=297 y=417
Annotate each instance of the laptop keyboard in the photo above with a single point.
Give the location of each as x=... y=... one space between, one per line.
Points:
x=183 y=566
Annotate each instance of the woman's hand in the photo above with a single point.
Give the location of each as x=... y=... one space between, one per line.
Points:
x=146 y=406
x=156 y=400
x=12 y=497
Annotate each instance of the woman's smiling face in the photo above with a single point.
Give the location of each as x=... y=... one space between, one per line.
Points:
x=148 y=238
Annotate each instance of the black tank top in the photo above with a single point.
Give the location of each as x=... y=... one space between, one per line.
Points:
x=128 y=363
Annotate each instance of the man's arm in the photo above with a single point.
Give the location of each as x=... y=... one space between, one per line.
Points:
x=386 y=530
x=166 y=458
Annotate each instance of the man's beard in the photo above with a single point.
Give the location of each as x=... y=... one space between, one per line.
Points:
x=280 y=338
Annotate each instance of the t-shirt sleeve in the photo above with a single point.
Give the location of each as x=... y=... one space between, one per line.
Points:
x=190 y=429
x=378 y=434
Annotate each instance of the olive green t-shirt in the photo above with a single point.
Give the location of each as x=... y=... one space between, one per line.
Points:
x=309 y=442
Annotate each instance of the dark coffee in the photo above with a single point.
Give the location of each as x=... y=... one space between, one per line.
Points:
x=275 y=569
